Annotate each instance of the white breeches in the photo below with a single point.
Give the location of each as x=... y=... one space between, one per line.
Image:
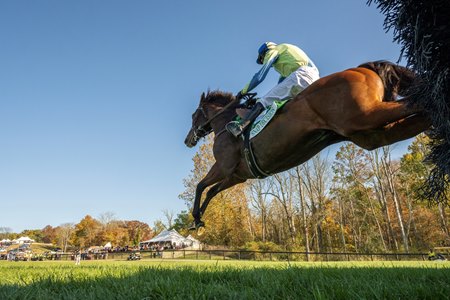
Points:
x=291 y=85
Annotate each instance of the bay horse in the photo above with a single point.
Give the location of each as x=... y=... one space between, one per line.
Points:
x=358 y=105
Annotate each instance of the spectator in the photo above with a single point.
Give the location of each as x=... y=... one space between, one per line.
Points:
x=78 y=257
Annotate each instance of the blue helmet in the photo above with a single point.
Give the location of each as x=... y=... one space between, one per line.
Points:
x=262 y=51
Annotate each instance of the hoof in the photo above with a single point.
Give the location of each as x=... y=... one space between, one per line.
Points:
x=200 y=231
x=196 y=225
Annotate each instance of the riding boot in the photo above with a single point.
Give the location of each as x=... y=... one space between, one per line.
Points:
x=236 y=128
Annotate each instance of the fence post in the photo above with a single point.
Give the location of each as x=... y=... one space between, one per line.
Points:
x=239 y=255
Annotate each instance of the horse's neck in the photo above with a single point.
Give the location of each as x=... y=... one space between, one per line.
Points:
x=219 y=122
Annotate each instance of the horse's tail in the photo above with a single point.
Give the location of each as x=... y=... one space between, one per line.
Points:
x=397 y=80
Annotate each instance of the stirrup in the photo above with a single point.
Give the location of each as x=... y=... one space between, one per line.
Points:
x=234 y=128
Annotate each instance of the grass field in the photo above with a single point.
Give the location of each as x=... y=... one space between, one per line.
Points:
x=220 y=279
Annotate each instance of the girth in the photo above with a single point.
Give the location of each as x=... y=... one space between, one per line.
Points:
x=250 y=157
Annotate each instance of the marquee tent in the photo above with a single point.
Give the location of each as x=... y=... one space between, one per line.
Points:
x=193 y=243
x=166 y=236
x=24 y=240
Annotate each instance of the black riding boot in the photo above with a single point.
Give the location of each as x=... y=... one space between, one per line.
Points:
x=236 y=128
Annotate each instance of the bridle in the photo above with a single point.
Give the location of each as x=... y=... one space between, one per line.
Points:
x=201 y=131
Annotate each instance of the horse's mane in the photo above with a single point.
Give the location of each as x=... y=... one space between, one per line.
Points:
x=217 y=97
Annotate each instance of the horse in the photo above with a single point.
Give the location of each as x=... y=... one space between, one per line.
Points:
x=367 y=105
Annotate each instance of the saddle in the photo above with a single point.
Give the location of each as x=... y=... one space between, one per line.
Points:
x=263 y=119
x=252 y=130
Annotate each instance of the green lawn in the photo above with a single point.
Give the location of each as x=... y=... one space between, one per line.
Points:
x=169 y=279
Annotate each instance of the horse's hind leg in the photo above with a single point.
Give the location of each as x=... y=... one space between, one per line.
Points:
x=391 y=133
x=383 y=113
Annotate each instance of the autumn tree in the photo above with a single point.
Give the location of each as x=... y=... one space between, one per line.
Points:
x=282 y=190
x=304 y=208
x=158 y=227
x=182 y=222
x=413 y=173
x=63 y=235
x=85 y=233
x=353 y=196
x=169 y=215
x=258 y=194
x=138 y=231
x=313 y=183
x=49 y=234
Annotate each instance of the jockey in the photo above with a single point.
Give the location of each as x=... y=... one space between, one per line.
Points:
x=296 y=69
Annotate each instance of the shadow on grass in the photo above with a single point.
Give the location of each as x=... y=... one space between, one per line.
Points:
x=144 y=282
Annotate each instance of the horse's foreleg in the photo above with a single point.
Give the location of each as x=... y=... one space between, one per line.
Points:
x=223 y=185
x=214 y=175
x=391 y=133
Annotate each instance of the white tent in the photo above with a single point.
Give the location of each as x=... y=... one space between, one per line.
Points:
x=24 y=240
x=193 y=243
x=108 y=245
x=165 y=236
x=5 y=242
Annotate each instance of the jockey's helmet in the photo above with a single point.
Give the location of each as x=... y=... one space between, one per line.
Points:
x=262 y=51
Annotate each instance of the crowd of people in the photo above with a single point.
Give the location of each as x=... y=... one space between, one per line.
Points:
x=160 y=246
x=89 y=254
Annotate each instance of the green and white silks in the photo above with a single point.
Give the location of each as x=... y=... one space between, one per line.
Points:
x=264 y=118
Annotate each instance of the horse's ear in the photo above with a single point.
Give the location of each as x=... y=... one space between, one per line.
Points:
x=202 y=97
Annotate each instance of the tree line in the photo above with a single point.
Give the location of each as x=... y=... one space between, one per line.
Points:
x=360 y=202
x=88 y=232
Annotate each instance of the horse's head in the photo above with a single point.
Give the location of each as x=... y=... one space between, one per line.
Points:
x=211 y=106
x=200 y=125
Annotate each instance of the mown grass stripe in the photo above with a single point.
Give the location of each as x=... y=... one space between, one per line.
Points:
x=224 y=280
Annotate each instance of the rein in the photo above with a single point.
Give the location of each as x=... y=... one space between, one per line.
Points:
x=200 y=131
x=247 y=151
x=217 y=114
x=247 y=97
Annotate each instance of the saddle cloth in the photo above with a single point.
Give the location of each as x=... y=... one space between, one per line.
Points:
x=265 y=117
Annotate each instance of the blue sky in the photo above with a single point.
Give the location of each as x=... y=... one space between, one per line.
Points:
x=96 y=96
